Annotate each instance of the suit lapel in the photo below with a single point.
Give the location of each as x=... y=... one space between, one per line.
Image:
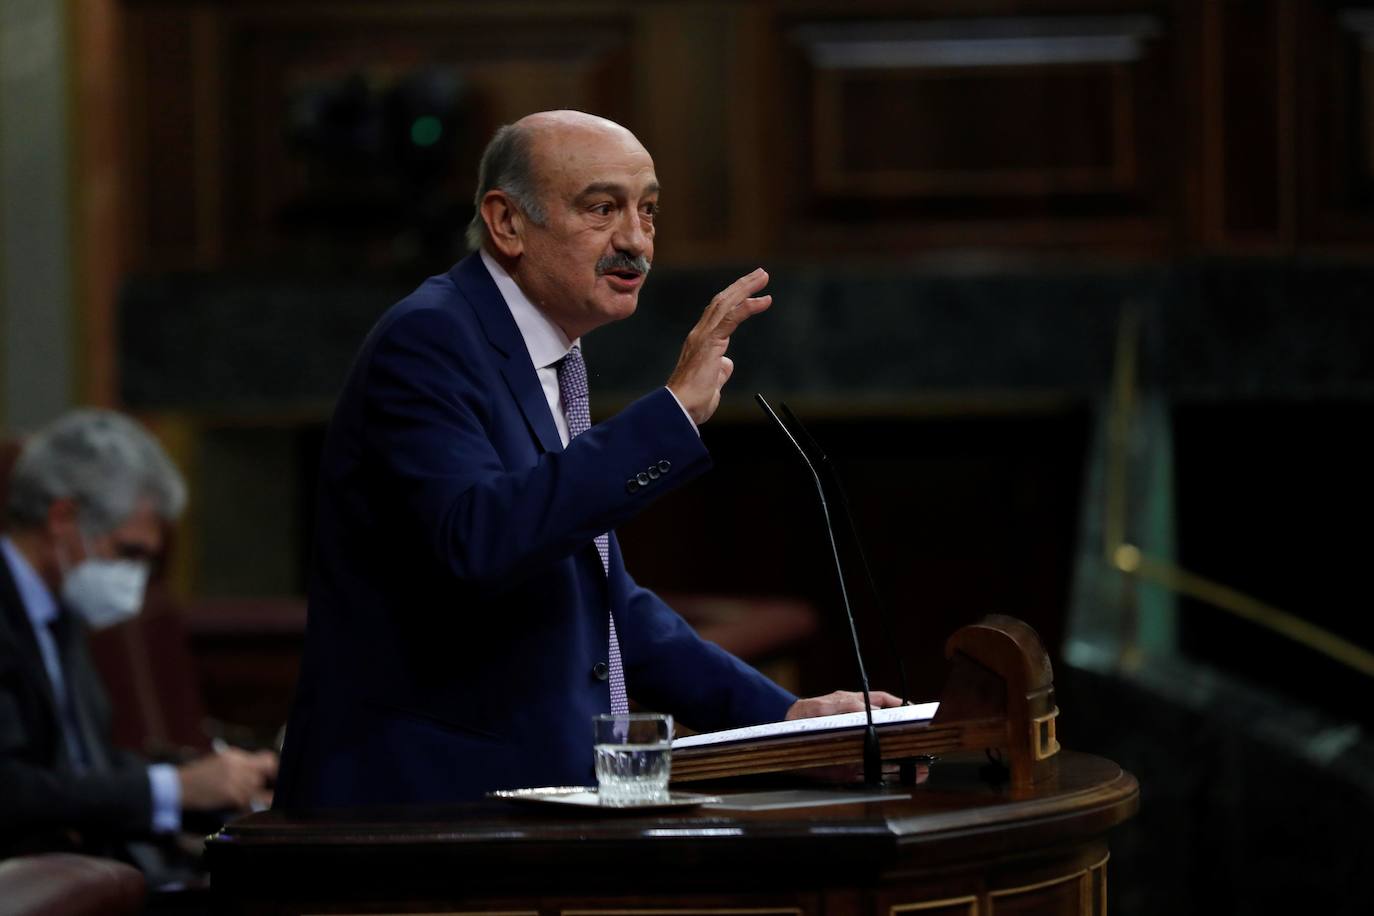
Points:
x=16 y=620
x=82 y=688
x=472 y=280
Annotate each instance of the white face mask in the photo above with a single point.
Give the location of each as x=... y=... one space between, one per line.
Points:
x=105 y=592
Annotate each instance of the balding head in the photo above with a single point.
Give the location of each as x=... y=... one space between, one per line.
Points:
x=519 y=157
x=558 y=128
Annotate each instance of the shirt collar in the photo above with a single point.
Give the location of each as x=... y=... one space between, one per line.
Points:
x=545 y=340
x=33 y=592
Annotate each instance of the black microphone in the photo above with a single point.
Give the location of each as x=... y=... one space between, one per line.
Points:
x=873 y=757
x=832 y=476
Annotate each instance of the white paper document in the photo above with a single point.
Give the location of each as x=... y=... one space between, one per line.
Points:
x=917 y=713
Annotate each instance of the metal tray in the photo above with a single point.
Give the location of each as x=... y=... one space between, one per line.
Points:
x=586 y=797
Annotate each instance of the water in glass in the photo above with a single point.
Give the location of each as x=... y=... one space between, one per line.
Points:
x=629 y=774
x=633 y=756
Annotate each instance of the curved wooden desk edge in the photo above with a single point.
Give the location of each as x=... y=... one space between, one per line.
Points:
x=500 y=851
x=1089 y=797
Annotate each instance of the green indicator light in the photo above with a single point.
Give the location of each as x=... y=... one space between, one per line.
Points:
x=426 y=131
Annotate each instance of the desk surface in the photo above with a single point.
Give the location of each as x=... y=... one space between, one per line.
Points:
x=498 y=846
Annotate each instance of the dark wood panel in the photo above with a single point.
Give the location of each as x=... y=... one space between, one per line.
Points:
x=685 y=84
x=809 y=129
x=329 y=115
x=1249 y=55
x=976 y=130
x=860 y=858
x=961 y=131
x=163 y=131
x=1067 y=896
x=943 y=906
x=1070 y=130
x=1335 y=125
x=289 y=134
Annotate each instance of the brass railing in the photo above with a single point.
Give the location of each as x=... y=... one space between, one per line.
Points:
x=1132 y=561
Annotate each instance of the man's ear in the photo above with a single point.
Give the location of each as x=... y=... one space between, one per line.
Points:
x=62 y=515
x=62 y=529
x=505 y=223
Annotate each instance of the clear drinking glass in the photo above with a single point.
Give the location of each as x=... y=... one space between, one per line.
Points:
x=633 y=757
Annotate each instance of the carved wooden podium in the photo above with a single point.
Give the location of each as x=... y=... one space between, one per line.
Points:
x=999 y=697
x=1032 y=841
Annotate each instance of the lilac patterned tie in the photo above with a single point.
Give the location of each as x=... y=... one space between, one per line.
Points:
x=572 y=387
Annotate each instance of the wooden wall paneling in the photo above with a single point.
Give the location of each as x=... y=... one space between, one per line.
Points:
x=1334 y=134
x=1074 y=885
x=1212 y=232
x=1350 y=158
x=754 y=137
x=1032 y=124
x=208 y=136
x=137 y=113
x=1248 y=46
x=181 y=436
x=99 y=164
x=686 y=84
x=1255 y=124
x=562 y=57
x=1318 y=92
x=1052 y=112
x=851 y=10
x=1068 y=897
x=950 y=906
x=1244 y=126
x=849 y=164
x=1289 y=43
x=1193 y=72
x=163 y=58
x=788 y=151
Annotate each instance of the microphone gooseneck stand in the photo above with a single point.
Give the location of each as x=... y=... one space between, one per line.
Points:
x=873 y=758
x=828 y=467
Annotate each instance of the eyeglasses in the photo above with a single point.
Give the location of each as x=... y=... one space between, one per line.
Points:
x=127 y=550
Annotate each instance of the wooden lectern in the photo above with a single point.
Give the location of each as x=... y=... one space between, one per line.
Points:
x=999 y=697
x=1031 y=840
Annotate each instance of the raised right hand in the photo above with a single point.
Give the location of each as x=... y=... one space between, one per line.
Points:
x=703 y=368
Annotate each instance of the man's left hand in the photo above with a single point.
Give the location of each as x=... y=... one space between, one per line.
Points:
x=838 y=702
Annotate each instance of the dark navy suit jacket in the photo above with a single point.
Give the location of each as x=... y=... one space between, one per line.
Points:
x=46 y=802
x=458 y=631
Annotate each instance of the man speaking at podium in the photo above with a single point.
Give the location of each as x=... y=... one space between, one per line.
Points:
x=469 y=608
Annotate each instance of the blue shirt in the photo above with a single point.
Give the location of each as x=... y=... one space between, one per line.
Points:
x=41 y=607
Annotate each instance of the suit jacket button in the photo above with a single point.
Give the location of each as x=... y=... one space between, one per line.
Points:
x=601 y=671
x=642 y=479
x=654 y=472
x=631 y=485
x=665 y=465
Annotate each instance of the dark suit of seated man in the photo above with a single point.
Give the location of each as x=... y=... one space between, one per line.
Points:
x=88 y=501
x=469 y=609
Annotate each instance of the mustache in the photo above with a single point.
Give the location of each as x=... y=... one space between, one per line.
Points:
x=622 y=261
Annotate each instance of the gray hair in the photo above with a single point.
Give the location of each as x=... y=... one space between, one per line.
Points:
x=102 y=460
x=506 y=166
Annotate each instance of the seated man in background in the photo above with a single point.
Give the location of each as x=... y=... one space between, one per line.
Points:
x=89 y=499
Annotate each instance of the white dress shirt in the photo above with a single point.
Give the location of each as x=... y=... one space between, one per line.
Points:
x=545 y=341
